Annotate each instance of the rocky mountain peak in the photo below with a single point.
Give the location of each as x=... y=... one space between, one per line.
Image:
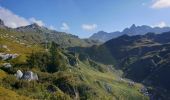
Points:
x=34 y=26
x=133 y=26
x=30 y=28
x=2 y=25
x=2 y=22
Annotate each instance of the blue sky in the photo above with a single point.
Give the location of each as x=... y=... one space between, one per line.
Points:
x=85 y=17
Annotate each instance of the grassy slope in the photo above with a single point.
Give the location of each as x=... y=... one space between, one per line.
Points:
x=97 y=80
x=6 y=94
x=2 y=74
x=120 y=90
x=63 y=39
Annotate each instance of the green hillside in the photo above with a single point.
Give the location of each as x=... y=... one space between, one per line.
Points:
x=142 y=58
x=62 y=75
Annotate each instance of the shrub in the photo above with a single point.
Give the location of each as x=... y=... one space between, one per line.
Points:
x=9 y=70
x=97 y=66
x=51 y=61
x=39 y=59
x=67 y=84
x=87 y=92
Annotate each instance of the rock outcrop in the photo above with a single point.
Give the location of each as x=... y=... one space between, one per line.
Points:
x=29 y=75
x=2 y=25
x=19 y=74
x=5 y=56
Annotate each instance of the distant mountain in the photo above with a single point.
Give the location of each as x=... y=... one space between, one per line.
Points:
x=31 y=28
x=2 y=25
x=133 y=30
x=104 y=36
x=143 y=58
x=1 y=22
x=39 y=34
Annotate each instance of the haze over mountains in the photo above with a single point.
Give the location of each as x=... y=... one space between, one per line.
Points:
x=133 y=30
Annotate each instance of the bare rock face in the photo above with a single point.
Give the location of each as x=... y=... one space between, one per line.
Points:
x=19 y=74
x=29 y=75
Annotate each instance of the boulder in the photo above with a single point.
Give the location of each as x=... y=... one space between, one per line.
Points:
x=35 y=76
x=7 y=65
x=5 y=56
x=29 y=75
x=14 y=56
x=19 y=74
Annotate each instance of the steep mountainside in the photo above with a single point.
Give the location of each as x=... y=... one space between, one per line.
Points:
x=133 y=30
x=143 y=58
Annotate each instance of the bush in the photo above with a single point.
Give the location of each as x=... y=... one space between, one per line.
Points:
x=97 y=66
x=57 y=63
x=72 y=59
x=39 y=59
x=9 y=70
x=25 y=84
x=51 y=61
x=87 y=92
x=67 y=84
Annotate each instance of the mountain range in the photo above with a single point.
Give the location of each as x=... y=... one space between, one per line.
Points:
x=134 y=65
x=142 y=58
x=133 y=30
x=39 y=34
x=36 y=63
x=145 y=59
